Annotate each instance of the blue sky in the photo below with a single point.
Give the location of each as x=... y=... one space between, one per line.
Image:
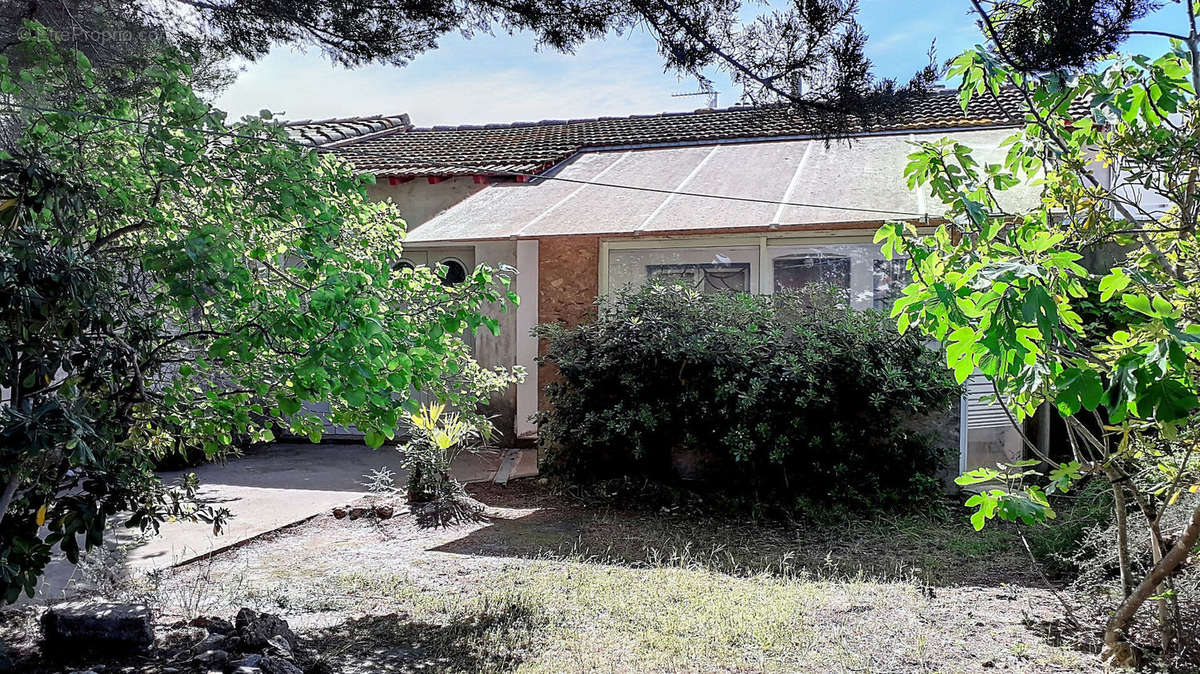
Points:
x=502 y=78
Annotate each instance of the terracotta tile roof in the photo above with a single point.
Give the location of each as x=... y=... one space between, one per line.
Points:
x=531 y=147
x=332 y=131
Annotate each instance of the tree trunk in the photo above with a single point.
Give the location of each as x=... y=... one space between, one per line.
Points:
x=1117 y=649
x=1122 y=534
x=1166 y=628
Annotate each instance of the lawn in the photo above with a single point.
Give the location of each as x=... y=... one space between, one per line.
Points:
x=548 y=584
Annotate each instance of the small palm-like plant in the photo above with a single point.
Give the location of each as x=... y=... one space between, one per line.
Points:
x=437 y=437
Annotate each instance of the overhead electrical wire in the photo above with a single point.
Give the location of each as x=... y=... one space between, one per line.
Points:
x=461 y=167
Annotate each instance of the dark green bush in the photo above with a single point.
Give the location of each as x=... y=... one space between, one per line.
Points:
x=787 y=398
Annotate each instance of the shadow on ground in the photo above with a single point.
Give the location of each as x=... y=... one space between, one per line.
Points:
x=496 y=639
x=530 y=523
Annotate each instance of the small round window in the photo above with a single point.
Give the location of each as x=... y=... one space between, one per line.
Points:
x=455 y=273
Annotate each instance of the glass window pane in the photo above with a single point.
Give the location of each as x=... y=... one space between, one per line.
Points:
x=725 y=279
x=705 y=268
x=890 y=278
x=707 y=278
x=845 y=265
x=685 y=275
x=455 y=272
x=795 y=272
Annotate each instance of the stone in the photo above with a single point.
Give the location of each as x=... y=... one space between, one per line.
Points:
x=384 y=512
x=251 y=660
x=356 y=513
x=212 y=642
x=244 y=617
x=276 y=665
x=339 y=513
x=279 y=646
x=98 y=625
x=213 y=658
x=233 y=644
x=257 y=631
x=212 y=624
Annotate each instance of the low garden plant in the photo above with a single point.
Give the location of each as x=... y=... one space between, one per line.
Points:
x=436 y=436
x=786 y=400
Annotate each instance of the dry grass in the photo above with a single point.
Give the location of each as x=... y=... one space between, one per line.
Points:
x=546 y=585
x=549 y=585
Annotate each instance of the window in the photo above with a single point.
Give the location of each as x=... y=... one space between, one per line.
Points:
x=707 y=269
x=890 y=278
x=853 y=264
x=707 y=278
x=796 y=271
x=455 y=272
x=849 y=266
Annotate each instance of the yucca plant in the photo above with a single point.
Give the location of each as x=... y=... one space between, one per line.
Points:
x=435 y=439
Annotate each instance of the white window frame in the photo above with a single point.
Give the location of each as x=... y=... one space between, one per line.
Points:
x=764 y=241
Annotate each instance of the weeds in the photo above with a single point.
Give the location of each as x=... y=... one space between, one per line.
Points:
x=380 y=481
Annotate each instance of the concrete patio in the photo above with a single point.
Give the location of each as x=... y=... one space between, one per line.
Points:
x=274 y=487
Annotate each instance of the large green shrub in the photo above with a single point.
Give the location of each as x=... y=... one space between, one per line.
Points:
x=786 y=397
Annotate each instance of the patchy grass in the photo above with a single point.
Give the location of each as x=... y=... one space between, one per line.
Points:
x=580 y=616
x=547 y=585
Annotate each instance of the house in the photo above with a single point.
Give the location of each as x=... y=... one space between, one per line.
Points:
x=744 y=198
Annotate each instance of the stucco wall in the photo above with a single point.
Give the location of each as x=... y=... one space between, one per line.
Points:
x=419 y=201
x=499 y=350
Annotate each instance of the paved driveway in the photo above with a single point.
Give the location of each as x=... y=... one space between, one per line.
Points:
x=274 y=487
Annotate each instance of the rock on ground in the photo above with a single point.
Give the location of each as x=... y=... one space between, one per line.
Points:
x=213 y=658
x=274 y=665
x=256 y=630
x=98 y=624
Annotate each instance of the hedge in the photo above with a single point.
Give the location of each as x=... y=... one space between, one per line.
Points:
x=784 y=398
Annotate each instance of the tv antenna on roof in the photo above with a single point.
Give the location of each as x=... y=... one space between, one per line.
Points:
x=706 y=89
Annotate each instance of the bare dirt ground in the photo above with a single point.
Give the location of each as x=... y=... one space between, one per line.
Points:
x=547 y=584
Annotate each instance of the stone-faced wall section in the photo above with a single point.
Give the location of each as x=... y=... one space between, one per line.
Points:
x=568 y=282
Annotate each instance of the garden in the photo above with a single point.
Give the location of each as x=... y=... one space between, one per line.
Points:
x=646 y=546
x=729 y=482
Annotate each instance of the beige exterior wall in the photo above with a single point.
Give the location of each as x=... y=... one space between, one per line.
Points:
x=499 y=350
x=419 y=201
